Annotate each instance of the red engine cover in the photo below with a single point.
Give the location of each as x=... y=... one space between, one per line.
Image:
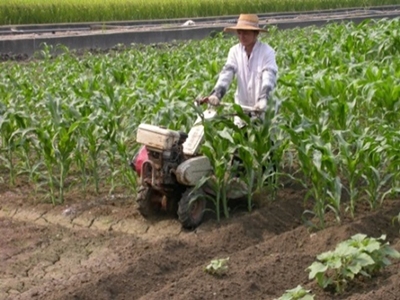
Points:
x=139 y=159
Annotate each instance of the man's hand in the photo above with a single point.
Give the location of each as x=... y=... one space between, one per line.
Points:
x=213 y=100
x=261 y=105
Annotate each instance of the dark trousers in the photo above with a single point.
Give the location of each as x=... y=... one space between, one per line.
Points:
x=241 y=170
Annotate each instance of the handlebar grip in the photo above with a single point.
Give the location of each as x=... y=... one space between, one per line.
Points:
x=250 y=109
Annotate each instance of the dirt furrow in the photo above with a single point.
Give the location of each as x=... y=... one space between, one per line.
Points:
x=105 y=250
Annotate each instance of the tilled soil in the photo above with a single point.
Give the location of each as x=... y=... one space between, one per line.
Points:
x=106 y=250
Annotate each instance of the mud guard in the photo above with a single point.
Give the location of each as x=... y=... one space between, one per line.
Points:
x=138 y=160
x=192 y=170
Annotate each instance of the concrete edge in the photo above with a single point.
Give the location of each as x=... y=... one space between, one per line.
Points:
x=369 y=9
x=109 y=40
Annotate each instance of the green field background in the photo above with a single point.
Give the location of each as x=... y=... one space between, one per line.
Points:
x=69 y=122
x=58 y=11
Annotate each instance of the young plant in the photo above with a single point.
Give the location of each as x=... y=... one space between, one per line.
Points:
x=89 y=149
x=258 y=151
x=250 y=151
x=396 y=219
x=65 y=125
x=351 y=87
x=358 y=256
x=217 y=267
x=337 y=268
x=379 y=251
x=219 y=148
x=298 y=293
x=7 y=145
x=375 y=176
x=11 y=121
x=319 y=165
x=238 y=155
x=352 y=155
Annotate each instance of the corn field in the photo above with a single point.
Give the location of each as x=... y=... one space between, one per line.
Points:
x=69 y=122
x=58 y=11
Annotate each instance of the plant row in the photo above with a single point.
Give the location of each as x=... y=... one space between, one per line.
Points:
x=354 y=259
x=70 y=121
x=357 y=258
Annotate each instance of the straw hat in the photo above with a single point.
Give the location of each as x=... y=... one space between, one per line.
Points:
x=246 y=22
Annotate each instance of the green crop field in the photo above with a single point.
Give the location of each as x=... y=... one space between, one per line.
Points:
x=57 y=11
x=69 y=122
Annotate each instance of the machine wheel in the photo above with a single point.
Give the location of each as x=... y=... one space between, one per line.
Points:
x=148 y=201
x=191 y=208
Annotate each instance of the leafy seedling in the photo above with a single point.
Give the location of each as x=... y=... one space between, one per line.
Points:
x=396 y=219
x=218 y=267
x=298 y=293
x=357 y=256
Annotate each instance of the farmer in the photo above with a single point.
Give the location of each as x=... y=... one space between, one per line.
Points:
x=256 y=70
x=254 y=65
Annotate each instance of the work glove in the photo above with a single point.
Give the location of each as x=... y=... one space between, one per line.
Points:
x=261 y=105
x=213 y=100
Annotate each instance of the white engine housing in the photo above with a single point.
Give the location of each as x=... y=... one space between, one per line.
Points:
x=195 y=138
x=192 y=170
x=156 y=137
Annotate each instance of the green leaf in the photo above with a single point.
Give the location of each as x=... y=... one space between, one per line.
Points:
x=391 y=252
x=298 y=293
x=344 y=249
x=316 y=268
x=307 y=297
x=359 y=237
x=363 y=259
x=326 y=256
x=372 y=246
x=225 y=134
x=217 y=266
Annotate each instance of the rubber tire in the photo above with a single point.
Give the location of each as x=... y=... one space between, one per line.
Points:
x=172 y=203
x=143 y=200
x=190 y=214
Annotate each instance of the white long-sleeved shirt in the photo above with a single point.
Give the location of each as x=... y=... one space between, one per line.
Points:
x=256 y=74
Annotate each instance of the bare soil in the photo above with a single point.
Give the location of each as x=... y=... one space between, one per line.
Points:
x=99 y=247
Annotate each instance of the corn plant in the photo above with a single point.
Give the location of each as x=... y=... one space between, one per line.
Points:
x=374 y=174
x=219 y=148
x=239 y=155
x=396 y=219
x=29 y=164
x=258 y=150
x=319 y=165
x=351 y=155
x=8 y=127
x=44 y=136
x=393 y=156
x=337 y=124
x=59 y=141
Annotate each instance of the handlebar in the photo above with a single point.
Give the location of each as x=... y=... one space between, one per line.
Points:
x=245 y=108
